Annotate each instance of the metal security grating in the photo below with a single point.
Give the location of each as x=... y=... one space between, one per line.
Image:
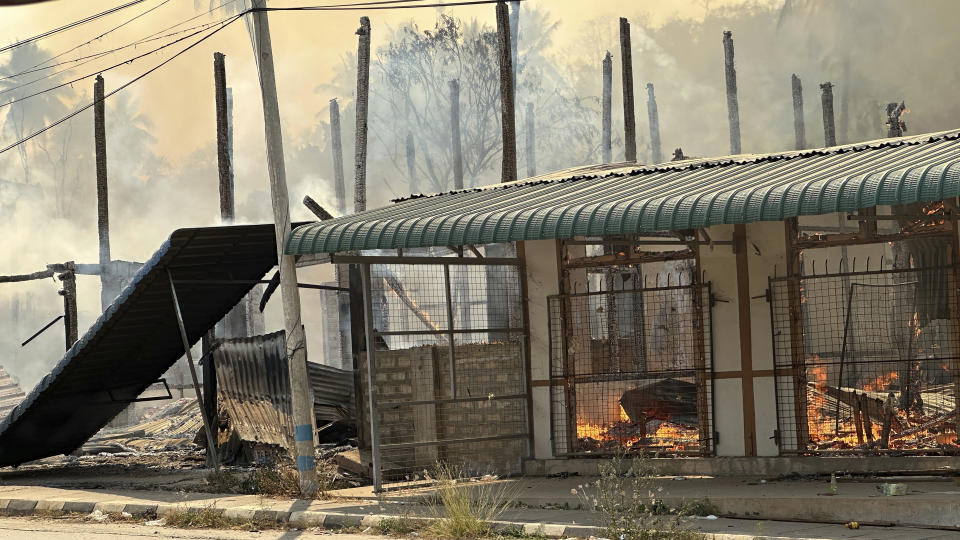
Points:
x=631 y=371
x=870 y=363
x=450 y=371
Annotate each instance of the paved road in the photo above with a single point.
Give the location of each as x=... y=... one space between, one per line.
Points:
x=36 y=529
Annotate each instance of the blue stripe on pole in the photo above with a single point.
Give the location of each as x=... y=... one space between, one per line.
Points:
x=303 y=432
x=304 y=463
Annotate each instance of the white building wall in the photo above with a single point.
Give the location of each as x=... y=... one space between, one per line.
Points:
x=542 y=277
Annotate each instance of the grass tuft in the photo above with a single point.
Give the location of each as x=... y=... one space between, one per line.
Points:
x=465 y=509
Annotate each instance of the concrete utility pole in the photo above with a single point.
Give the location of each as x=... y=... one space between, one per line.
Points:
x=629 y=117
x=411 y=162
x=798 y=126
x=531 y=142
x=508 y=118
x=224 y=167
x=606 y=109
x=337 y=144
x=733 y=107
x=363 y=93
x=293 y=324
x=455 y=134
x=107 y=293
x=654 y=116
x=829 y=127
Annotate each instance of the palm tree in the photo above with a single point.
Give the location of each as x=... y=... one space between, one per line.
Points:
x=24 y=116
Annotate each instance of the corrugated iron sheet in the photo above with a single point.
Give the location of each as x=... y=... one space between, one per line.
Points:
x=253 y=383
x=136 y=339
x=688 y=194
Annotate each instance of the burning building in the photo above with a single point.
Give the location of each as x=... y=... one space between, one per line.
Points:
x=792 y=304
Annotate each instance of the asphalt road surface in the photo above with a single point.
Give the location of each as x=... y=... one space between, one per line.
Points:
x=30 y=528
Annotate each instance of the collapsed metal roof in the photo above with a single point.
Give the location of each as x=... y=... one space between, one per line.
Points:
x=695 y=193
x=136 y=339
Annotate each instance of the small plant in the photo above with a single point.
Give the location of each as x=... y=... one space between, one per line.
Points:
x=208 y=517
x=465 y=509
x=277 y=481
x=400 y=526
x=625 y=497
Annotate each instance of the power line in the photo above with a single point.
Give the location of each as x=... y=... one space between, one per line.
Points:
x=73 y=24
x=118 y=89
x=118 y=64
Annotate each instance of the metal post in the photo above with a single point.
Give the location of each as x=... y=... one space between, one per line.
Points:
x=211 y=440
x=371 y=377
x=449 y=302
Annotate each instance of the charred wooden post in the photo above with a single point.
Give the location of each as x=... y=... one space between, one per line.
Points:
x=531 y=143
x=411 y=163
x=68 y=277
x=858 y=417
x=865 y=418
x=799 y=129
x=455 y=134
x=515 y=41
x=606 y=109
x=629 y=116
x=316 y=209
x=889 y=410
x=337 y=148
x=224 y=167
x=829 y=127
x=895 y=126
x=653 y=116
x=363 y=95
x=508 y=117
x=103 y=213
x=733 y=106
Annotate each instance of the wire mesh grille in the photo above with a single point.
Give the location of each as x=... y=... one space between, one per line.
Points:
x=630 y=371
x=872 y=365
x=450 y=369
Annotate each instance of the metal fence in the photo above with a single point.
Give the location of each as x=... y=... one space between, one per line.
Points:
x=449 y=377
x=631 y=371
x=867 y=362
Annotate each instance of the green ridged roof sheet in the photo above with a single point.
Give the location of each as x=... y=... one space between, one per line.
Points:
x=613 y=200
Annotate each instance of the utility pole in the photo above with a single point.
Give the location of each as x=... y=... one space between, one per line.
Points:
x=629 y=117
x=798 y=127
x=107 y=293
x=411 y=162
x=296 y=346
x=363 y=92
x=829 y=127
x=223 y=140
x=606 y=112
x=336 y=142
x=531 y=142
x=733 y=107
x=455 y=134
x=508 y=118
x=654 y=117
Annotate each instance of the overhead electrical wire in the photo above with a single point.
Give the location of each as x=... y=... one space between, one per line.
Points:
x=222 y=24
x=68 y=26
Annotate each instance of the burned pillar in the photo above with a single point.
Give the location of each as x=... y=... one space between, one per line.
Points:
x=733 y=107
x=629 y=117
x=829 y=127
x=411 y=163
x=606 y=112
x=455 y=134
x=799 y=129
x=337 y=148
x=654 y=117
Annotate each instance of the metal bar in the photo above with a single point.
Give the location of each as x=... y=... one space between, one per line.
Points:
x=254 y=282
x=449 y=303
x=454 y=331
x=211 y=440
x=867 y=273
x=452 y=400
x=371 y=378
x=370 y=259
x=444 y=442
x=843 y=353
x=898 y=217
x=40 y=331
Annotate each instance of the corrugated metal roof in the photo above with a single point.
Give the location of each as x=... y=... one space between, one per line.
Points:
x=686 y=194
x=10 y=393
x=136 y=339
x=253 y=382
